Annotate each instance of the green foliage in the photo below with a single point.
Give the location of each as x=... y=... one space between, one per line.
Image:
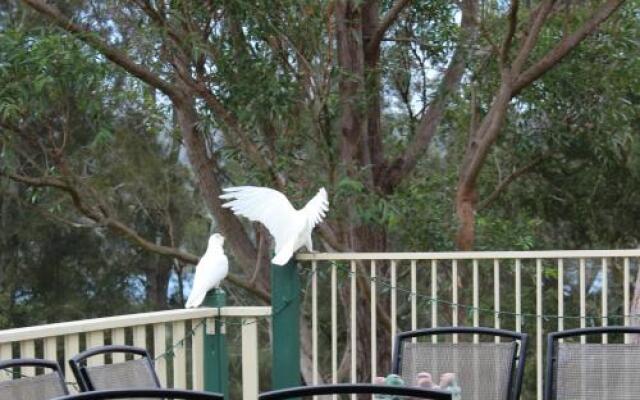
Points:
x=117 y=143
x=585 y=117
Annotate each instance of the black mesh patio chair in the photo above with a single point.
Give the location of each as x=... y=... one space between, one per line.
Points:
x=40 y=387
x=137 y=373
x=164 y=394
x=592 y=370
x=484 y=370
x=398 y=392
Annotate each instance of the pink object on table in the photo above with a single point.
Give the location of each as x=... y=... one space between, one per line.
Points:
x=447 y=379
x=425 y=380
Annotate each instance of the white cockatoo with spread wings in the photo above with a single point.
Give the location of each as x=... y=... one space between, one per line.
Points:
x=290 y=228
x=210 y=271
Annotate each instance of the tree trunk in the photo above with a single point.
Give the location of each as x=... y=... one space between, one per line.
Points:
x=158 y=276
x=480 y=142
x=203 y=167
x=465 y=209
x=371 y=56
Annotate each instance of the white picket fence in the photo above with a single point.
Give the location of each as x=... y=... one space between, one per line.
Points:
x=565 y=289
x=175 y=339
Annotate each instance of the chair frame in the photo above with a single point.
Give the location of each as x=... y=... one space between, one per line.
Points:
x=552 y=340
x=37 y=362
x=79 y=371
x=450 y=330
x=354 y=388
x=142 y=393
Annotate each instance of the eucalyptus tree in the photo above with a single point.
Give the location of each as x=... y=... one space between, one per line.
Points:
x=81 y=139
x=345 y=94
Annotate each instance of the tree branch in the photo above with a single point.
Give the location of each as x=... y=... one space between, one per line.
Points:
x=508 y=180
x=513 y=22
x=386 y=22
x=123 y=230
x=406 y=162
x=230 y=120
x=567 y=44
x=56 y=183
x=538 y=16
x=91 y=38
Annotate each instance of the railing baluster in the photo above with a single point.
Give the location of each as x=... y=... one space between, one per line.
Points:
x=414 y=295
x=159 y=348
x=434 y=297
x=374 y=348
x=197 y=353
x=71 y=348
x=583 y=299
x=354 y=333
x=518 y=295
x=179 y=358
x=118 y=337
x=28 y=350
x=140 y=336
x=476 y=299
x=561 y=296
x=539 y=312
x=394 y=302
x=626 y=294
x=496 y=296
x=454 y=295
x=605 y=293
x=6 y=353
x=95 y=339
x=249 y=358
x=334 y=324
x=50 y=348
x=314 y=321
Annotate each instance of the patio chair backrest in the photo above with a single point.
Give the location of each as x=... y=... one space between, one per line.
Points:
x=137 y=373
x=40 y=387
x=484 y=370
x=384 y=391
x=164 y=394
x=592 y=370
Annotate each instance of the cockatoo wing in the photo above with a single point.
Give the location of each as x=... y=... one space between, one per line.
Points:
x=264 y=205
x=210 y=271
x=317 y=208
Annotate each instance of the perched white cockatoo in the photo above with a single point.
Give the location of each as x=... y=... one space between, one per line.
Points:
x=290 y=228
x=210 y=271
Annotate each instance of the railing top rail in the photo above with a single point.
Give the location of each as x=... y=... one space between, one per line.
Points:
x=471 y=255
x=122 y=321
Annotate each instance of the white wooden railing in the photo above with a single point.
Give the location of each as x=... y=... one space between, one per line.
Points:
x=563 y=289
x=536 y=292
x=174 y=338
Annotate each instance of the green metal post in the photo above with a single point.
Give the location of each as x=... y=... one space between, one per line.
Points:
x=216 y=359
x=285 y=308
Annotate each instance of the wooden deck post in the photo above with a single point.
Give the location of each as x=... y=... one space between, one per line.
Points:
x=216 y=358
x=285 y=310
